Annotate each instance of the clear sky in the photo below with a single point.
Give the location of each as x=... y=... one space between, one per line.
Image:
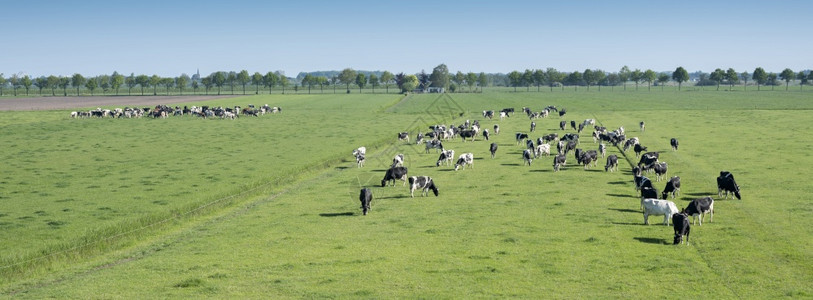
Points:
x=171 y=37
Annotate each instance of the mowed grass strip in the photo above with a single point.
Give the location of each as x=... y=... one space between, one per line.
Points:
x=503 y=229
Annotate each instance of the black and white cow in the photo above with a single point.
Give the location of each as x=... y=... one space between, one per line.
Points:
x=648 y=160
x=529 y=144
x=488 y=114
x=655 y=207
x=403 y=136
x=436 y=144
x=504 y=115
x=559 y=161
x=425 y=183
x=397 y=173
x=521 y=136
x=446 y=157
x=366 y=196
x=672 y=187
x=602 y=149
x=493 y=149
x=551 y=137
x=527 y=157
x=571 y=137
x=569 y=146
x=562 y=125
x=642 y=126
x=542 y=148
x=486 y=134
x=661 y=169
x=700 y=207
x=581 y=127
x=468 y=134
x=649 y=193
x=360 y=159
x=641 y=182
x=726 y=183
x=680 y=222
x=463 y=160
x=612 y=163
x=398 y=160
x=674 y=143
x=496 y=129
x=638 y=149
x=533 y=126
x=360 y=150
x=629 y=143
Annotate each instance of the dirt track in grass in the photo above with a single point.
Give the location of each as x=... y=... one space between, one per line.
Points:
x=57 y=103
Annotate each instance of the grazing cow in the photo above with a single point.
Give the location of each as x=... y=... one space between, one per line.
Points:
x=468 y=134
x=648 y=160
x=446 y=156
x=493 y=149
x=465 y=159
x=655 y=207
x=629 y=143
x=570 y=146
x=496 y=129
x=562 y=125
x=593 y=156
x=636 y=171
x=392 y=174
x=504 y=115
x=366 y=196
x=562 y=112
x=529 y=144
x=672 y=187
x=638 y=149
x=602 y=149
x=550 y=137
x=680 y=223
x=578 y=155
x=425 y=183
x=726 y=183
x=508 y=110
x=660 y=170
x=674 y=143
x=571 y=137
x=581 y=127
x=612 y=163
x=521 y=136
x=527 y=157
x=641 y=182
x=488 y=114
x=573 y=124
x=436 y=144
x=485 y=134
x=360 y=160
x=649 y=193
x=398 y=160
x=419 y=138
x=542 y=148
x=403 y=136
x=586 y=159
x=700 y=207
x=559 y=161
x=642 y=126
x=533 y=126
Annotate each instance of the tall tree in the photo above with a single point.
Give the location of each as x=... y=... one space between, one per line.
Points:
x=471 y=80
x=662 y=80
x=613 y=80
x=731 y=77
x=26 y=82
x=802 y=79
x=440 y=76
x=386 y=79
x=649 y=76
x=116 y=80
x=322 y=80
x=257 y=80
x=424 y=80
x=680 y=76
x=53 y=83
x=637 y=76
x=270 y=80
x=760 y=76
x=131 y=83
x=168 y=83
x=2 y=83
x=539 y=78
x=361 y=80
x=15 y=83
x=410 y=83
x=195 y=86
x=104 y=83
x=745 y=76
x=64 y=82
x=787 y=75
x=219 y=79
x=308 y=80
x=527 y=79
x=155 y=80
x=554 y=77
x=41 y=83
x=91 y=85
x=624 y=75
x=574 y=79
x=243 y=79
x=717 y=76
x=373 y=81
x=588 y=77
x=347 y=76
x=231 y=79
x=515 y=79
x=182 y=81
x=283 y=82
x=482 y=81
x=772 y=79
x=207 y=83
x=143 y=81
x=78 y=81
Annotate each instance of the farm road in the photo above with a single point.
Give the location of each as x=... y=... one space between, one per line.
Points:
x=54 y=103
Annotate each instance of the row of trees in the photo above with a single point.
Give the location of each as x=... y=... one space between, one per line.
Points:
x=440 y=78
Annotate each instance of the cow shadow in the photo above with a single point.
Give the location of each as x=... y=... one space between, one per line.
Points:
x=341 y=214
x=542 y=170
x=652 y=240
x=593 y=170
x=627 y=210
x=621 y=196
x=617 y=182
x=394 y=197
x=697 y=194
x=342 y=168
x=516 y=165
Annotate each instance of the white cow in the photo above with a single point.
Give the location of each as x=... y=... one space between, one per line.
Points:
x=657 y=207
x=361 y=150
x=465 y=159
x=542 y=148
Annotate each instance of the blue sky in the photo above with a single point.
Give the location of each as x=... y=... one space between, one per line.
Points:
x=172 y=37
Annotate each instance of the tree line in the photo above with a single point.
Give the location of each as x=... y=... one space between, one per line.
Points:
x=439 y=78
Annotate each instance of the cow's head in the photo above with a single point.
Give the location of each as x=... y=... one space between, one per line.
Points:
x=678 y=239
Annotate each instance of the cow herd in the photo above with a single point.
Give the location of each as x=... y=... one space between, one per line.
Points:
x=164 y=111
x=653 y=202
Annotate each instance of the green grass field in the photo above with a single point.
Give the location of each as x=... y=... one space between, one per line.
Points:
x=290 y=226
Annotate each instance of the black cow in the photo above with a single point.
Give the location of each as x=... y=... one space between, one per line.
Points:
x=674 y=143
x=649 y=193
x=570 y=146
x=521 y=136
x=493 y=149
x=562 y=125
x=672 y=186
x=726 y=183
x=529 y=144
x=571 y=137
x=507 y=110
x=559 y=161
x=612 y=163
x=573 y=124
x=660 y=170
x=365 y=197
x=638 y=149
x=562 y=112
x=392 y=174
x=581 y=127
x=527 y=157
x=550 y=137
x=578 y=155
x=533 y=126
x=468 y=134
x=681 y=224
x=642 y=126
x=425 y=183
x=642 y=182
x=700 y=206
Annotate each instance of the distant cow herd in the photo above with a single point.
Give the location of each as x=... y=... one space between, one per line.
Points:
x=164 y=111
x=653 y=202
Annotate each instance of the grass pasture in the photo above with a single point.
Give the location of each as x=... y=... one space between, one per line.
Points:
x=500 y=229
